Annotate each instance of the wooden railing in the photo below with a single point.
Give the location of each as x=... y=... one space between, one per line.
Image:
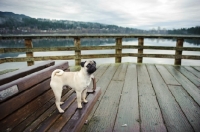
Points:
x=29 y=49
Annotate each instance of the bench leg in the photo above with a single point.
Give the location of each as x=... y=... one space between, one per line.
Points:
x=94 y=86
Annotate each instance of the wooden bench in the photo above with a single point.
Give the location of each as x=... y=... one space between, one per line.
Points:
x=28 y=103
x=6 y=78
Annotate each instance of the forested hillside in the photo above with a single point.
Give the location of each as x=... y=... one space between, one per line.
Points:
x=11 y=23
x=14 y=23
x=192 y=30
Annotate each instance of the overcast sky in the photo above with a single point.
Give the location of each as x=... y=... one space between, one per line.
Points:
x=142 y=14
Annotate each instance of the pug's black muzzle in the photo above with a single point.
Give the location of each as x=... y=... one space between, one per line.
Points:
x=91 y=69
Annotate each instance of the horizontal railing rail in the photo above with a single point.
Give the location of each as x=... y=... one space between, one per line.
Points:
x=77 y=48
x=64 y=36
x=47 y=49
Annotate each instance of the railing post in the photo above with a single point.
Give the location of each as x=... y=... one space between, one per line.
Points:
x=179 y=43
x=140 y=51
x=28 y=44
x=77 y=44
x=118 y=50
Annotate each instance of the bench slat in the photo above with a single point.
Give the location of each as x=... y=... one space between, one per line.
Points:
x=6 y=78
x=44 y=104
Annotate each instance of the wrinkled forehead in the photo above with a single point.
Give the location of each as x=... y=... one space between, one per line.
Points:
x=90 y=62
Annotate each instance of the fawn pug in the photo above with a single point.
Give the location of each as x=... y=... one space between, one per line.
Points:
x=79 y=81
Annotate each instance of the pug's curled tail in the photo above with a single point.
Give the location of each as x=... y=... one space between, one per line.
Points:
x=57 y=72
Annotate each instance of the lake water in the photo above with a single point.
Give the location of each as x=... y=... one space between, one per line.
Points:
x=100 y=42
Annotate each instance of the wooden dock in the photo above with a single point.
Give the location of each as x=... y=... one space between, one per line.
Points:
x=134 y=96
x=146 y=97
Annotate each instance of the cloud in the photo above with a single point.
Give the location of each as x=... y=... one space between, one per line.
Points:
x=143 y=14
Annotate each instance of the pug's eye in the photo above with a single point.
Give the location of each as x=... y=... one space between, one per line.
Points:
x=88 y=65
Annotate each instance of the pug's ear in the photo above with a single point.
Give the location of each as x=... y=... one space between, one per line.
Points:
x=94 y=62
x=82 y=64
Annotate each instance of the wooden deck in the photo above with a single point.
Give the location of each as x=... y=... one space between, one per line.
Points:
x=144 y=97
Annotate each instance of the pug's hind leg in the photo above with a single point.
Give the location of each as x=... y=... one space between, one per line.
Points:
x=78 y=94
x=84 y=93
x=58 y=103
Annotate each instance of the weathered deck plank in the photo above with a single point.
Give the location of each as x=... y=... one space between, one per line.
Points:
x=193 y=70
x=128 y=112
x=189 y=75
x=197 y=68
x=188 y=105
x=143 y=76
x=104 y=116
x=168 y=78
x=175 y=119
x=187 y=84
x=121 y=72
x=100 y=71
x=148 y=104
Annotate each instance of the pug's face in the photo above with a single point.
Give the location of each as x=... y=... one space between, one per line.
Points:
x=90 y=66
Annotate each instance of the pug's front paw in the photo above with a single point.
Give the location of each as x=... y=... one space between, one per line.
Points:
x=61 y=111
x=80 y=107
x=85 y=101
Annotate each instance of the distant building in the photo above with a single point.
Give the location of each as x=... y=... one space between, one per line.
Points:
x=158 y=29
